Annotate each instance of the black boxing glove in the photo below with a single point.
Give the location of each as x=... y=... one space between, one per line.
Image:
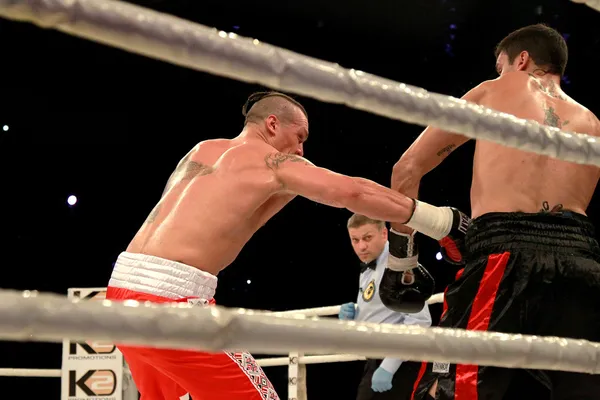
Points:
x=405 y=285
x=453 y=245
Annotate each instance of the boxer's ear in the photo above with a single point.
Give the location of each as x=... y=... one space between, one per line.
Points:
x=522 y=61
x=272 y=124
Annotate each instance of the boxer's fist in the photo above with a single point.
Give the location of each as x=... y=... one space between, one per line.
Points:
x=347 y=312
x=405 y=285
x=406 y=291
x=452 y=246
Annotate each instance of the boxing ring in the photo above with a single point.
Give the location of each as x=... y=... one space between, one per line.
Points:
x=32 y=316
x=295 y=361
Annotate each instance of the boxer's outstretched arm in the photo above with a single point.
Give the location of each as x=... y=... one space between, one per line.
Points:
x=427 y=152
x=299 y=176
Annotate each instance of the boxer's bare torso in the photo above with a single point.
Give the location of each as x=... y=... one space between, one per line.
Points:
x=506 y=179
x=219 y=195
x=223 y=191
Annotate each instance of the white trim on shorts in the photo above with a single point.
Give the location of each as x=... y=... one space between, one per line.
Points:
x=160 y=277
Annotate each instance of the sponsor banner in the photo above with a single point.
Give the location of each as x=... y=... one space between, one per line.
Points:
x=91 y=370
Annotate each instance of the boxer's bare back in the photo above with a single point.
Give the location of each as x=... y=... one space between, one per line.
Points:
x=214 y=201
x=224 y=190
x=506 y=179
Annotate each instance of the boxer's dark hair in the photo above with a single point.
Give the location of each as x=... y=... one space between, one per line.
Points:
x=546 y=47
x=358 y=220
x=260 y=104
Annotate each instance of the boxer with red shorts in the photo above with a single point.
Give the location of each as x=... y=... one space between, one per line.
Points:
x=219 y=195
x=170 y=374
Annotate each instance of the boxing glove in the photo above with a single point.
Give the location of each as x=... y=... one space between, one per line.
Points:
x=405 y=285
x=453 y=245
x=347 y=312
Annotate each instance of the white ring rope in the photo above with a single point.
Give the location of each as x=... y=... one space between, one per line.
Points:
x=51 y=317
x=334 y=310
x=31 y=372
x=184 y=43
x=263 y=362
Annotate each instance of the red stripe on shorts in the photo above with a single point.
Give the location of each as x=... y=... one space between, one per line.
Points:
x=419 y=377
x=479 y=320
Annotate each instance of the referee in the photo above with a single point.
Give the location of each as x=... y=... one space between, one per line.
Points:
x=388 y=378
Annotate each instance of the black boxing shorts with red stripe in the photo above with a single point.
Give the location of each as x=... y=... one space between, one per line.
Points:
x=536 y=274
x=165 y=374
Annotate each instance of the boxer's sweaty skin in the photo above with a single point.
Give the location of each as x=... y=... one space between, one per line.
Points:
x=218 y=196
x=506 y=179
x=223 y=191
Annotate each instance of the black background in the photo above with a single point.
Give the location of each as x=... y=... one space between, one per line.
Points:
x=109 y=127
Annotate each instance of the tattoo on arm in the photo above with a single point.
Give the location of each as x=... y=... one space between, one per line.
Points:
x=274 y=160
x=546 y=208
x=446 y=150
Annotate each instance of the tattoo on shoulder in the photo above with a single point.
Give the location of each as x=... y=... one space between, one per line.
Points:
x=446 y=150
x=274 y=160
x=546 y=208
x=153 y=214
x=185 y=171
x=552 y=119
x=193 y=169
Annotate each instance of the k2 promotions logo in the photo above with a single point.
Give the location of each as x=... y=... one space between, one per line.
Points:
x=92 y=347
x=93 y=383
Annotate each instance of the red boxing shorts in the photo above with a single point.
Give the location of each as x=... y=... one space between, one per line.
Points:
x=171 y=374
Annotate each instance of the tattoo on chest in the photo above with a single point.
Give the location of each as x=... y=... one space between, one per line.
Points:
x=546 y=208
x=185 y=171
x=274 y=160
x=446 y=150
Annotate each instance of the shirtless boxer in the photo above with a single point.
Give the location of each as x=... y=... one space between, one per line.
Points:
x=531 y=258
x=219 y=195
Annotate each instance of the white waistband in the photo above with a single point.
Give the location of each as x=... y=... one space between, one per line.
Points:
x=160 y=277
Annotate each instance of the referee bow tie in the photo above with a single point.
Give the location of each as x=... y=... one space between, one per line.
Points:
x=364 y=266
